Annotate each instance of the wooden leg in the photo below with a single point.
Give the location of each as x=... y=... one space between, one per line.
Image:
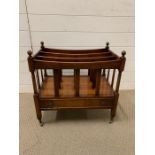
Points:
x=38 y=111
x=41 y=123
x=112 y=115
x=113 y=110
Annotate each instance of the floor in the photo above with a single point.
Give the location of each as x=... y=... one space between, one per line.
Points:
x=77 y=132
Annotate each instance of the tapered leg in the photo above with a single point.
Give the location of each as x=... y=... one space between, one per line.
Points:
x=114 y=108
x=38 y=111
x=112 y=115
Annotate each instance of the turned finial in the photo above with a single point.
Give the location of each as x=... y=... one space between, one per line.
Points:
x=107 y=45
x=123 y=54
x=42 y=45
x=29 y=53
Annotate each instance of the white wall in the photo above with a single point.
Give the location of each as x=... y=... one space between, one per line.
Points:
x=82 y=24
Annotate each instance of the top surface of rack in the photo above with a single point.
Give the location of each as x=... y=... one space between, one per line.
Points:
x=47 y=54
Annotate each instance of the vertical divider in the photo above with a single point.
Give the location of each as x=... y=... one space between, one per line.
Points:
x=104 y=70
x=108 y=74
x=113 y=78
x=59 y=76
x=45 y=72
x=118 y=81
x=42 y=77
x=56 y=82
x=38 y=81
x=34 y=82
x=77 y=81
x=88 y=72
x=98 y=81
x=93 y=77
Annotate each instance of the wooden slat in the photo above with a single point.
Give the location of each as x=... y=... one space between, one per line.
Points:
x=56 y=82
x=113 y=78
x=38 y=81
x=59 y=74
x=118 y=81
x=74 y=51
x=45 y=72
x=42 y=76
x=75 y=54
x=108 y=74
x=93 y=77
x=88 y=72
x=77 y=81
x=98 y=79
x=34 y=82
x=104 y=72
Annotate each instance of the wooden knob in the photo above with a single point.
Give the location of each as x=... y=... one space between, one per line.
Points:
x=29 y=53
x=107 y=45
x=42 y=44
x=123 y=53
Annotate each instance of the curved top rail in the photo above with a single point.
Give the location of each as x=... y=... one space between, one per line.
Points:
x=42 y=64
x=75 y=59
x=52 y=50
x=63 y=58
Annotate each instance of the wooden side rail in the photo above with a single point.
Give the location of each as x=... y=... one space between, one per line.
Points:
x=78 y=59
x=75 y=55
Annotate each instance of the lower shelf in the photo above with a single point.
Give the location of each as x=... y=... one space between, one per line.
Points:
x=67 y=88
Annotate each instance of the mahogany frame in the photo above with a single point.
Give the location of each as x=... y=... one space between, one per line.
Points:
x=97 y=61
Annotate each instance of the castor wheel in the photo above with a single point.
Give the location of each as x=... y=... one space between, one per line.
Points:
x=111 y=120
x=41 y=123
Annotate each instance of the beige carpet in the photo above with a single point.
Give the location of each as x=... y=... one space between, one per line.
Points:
x=77 y=132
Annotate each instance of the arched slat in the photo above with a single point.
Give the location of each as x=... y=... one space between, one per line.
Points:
x=77 y=59
x=75 y=55
x=74 y=51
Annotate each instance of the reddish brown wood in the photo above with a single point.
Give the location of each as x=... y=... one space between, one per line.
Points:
x=113 y=78
x=60 y=92
x=77 y=81
x=56 y=82
x=45 y=72
x=97 y=81
x=42 y=76
x=38 y=79
x=108 y=74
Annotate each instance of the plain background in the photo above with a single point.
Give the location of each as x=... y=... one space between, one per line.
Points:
x=72 y=24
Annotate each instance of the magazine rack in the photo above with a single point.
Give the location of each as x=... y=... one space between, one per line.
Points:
x=98 y=89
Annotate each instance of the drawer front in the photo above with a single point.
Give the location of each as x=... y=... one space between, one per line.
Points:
x=75 y=103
